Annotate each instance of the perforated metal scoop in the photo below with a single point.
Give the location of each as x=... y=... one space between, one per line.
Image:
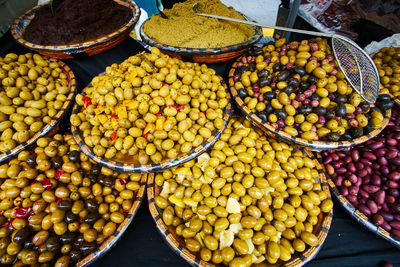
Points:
x=358 y=68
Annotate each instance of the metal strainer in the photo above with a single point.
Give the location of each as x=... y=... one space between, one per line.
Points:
x=358 y=68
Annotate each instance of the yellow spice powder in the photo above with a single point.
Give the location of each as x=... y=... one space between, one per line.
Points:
x=184 y=28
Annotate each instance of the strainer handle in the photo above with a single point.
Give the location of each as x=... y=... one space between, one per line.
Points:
x=268 y=26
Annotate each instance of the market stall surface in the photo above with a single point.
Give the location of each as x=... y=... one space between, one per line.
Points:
x=347 y=244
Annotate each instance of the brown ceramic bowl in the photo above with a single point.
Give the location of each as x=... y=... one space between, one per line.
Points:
x=177 y=244
x=312 y=145
x=112 y=240
x=88 y=48
x=122 y=163
x=206 y=55
x=55 y=120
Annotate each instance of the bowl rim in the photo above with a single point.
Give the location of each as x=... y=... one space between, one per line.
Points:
x=313 y=145
x=301 y=258
x=203 y=51
x=111 y=241
x=72 y=84
x=355 y=213
x=20 y=21
x=153 y=167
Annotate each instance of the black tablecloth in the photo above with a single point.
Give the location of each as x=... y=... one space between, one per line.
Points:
x=347 y=244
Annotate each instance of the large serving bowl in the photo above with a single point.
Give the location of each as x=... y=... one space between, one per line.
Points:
x=87 y=48
x=156 y=196
x=55 y=120
x=207 y=55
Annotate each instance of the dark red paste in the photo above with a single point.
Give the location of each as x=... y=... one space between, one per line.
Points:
x=76 y=21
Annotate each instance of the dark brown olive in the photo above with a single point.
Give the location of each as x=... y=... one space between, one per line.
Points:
x=300 y=70
x=92 y=178
x=21 y=235
x=75 y=255
x=264 y=81
x=31 y=161
x=290 y=89
x=356 y=132
x=263 y=73
x=364 y=106
x=74 y=156
x=65 y=204
x=108 y=181
x=334 y=137
x=330 y=114
x=87 y=248
x=96 y=169
x=91 y=205
x=320 y=110
x=68 y=238
x=277 y=67
x=304 y=85
x=283 y=75
x=341 y=99
x=91 y=218
x=340 y=110
x=29 y=244
x=52 y=244
x=294 y=82
x=70 y=217
x=57 y=162
x=269 y=95
x=281 y=114
x=312 y=79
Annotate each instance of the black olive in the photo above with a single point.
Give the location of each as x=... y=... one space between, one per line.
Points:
x=92 y=178
x=101 y=178
x=108 y=181
x=300 y=70
x=341 y=99
x=263 y=116
x=87 y=248
x=320 y=110
x=65 y=204
x=91 y=205
x=283 y=75
x=346 y=136
x=314 y=97
x=385 y=105
x=68 y=238
x=334 y=137
x=264 y=81
x=377 y=109
x=242 y=93
x=91 y=218
x=312 y=79
x=255 y=51
x=96 y=169
x=364 y=106
x=269 y=95
x=57 y=162
x=289 y=89
x=329 y=115
x=304 y=85
x=21 y=235
x=305 y=109
x=52 y=244
x=74 y=156
x=31 y=161
x=263 y=73
x=369 y=128
x=368 y=116
x=70 y=217
x=80 y=239
x=276 y=67
x=252 y=66
x=383 y=98
x=294 y=82
x=356 y=132
x=75 y=255
x=340 y=110
x=281 y=114
x=269 y=109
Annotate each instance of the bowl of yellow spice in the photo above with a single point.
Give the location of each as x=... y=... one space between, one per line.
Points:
x=186 y=35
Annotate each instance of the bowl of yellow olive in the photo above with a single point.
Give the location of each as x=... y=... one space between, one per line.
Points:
x=248 y=200
x=35 y=94
x=59 y=208
x=387 y=61
x=150 y=113
x=296 y=91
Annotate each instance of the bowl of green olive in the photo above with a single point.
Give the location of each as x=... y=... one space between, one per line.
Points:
x=150 y=112
x=297 y=92
x=248 y=200
x=36 y=92
x=60 y=208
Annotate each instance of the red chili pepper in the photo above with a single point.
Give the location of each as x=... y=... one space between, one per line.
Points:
x=160 y=112
x=125 y=71
x=58 y=200
x=34 y=182
x=203 y=112
x=178 y=107
x=122 y=181
x=145 y=135
x=114 y=116
x=159 y=69
x=47 y=183
x=22 y=213
x=10 y=225
x=58 y=174
x=5 y=224
x=164 y=82
x=113 y=136
x=87 y=101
